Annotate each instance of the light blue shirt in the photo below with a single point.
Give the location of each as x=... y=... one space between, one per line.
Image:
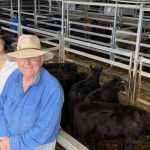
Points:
x=30 y=118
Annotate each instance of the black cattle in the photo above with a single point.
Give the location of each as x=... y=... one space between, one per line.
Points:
x=67 y=75
x=67 y=80
x=56 y=68
x=80 y=89
x=108 y=120
x=108 y=92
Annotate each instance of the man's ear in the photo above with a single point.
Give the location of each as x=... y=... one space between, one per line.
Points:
x=42 y=60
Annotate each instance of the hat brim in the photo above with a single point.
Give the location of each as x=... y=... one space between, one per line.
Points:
x=28 y=54
x=48 y=56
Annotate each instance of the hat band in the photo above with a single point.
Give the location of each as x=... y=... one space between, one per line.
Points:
x=28 y=48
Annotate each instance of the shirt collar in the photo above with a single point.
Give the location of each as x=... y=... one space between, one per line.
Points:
x=37 y=80
x=19 y=78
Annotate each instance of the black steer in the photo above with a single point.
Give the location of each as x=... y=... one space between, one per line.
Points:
x=108 y=92
x=67 y=75
x=60 y=67
x=80 y=89
x=108 y=120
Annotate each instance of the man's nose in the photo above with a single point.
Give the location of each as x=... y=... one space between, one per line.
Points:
x=27 y=60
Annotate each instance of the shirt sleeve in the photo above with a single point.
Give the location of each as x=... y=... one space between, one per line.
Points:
x=3 y=123
x=46 y=126
x=4 y=127
x=4 y=131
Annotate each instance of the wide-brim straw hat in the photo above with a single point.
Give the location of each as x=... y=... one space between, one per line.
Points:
x=29 y=46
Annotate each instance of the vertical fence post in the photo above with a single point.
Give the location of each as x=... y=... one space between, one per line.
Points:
x=11 y=7
x=50 y=7
x=19 y=18
x=139 y=79
x=61 y=49
x=113 y=39
x=35 y=14
x=67 y=24
x=136 y=56
x=39 y=7
x=129 y=79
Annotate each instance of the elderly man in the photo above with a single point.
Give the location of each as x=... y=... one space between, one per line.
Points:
x=31 y=101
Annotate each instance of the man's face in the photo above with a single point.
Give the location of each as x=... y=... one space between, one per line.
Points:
x=30 y=66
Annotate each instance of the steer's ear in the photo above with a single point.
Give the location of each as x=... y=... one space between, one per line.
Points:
x=117 y=78
x=114 y=77
x=137 y=116
x=91 y=67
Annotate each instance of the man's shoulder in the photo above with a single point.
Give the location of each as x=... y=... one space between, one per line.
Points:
x=49 y=78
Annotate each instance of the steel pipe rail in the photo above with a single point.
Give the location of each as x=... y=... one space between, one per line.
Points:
x=68 y=142
x=128 y=54
x=117 y=64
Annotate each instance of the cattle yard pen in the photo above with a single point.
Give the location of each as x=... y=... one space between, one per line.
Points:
x=115 y=33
